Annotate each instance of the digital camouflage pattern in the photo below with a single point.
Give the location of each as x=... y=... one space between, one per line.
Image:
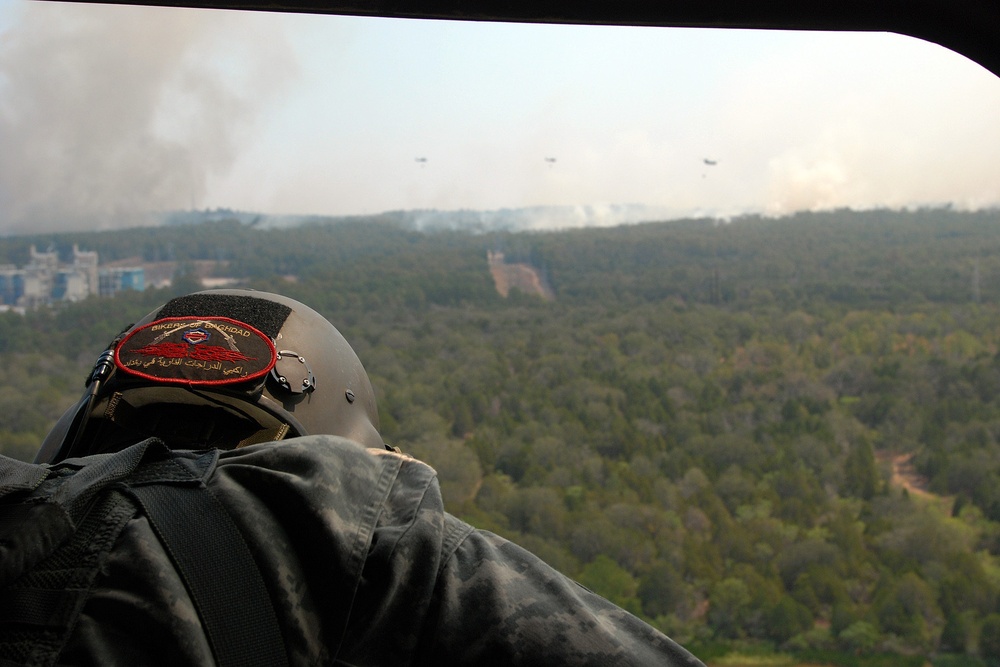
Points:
x=364 y=567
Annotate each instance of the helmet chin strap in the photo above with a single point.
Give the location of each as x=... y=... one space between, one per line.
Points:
x=265 y=435
x=103 y=369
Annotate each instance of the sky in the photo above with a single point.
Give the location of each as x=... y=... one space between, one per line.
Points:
x=109 y=114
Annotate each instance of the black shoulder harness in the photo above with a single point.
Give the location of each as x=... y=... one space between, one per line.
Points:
x=57 y=526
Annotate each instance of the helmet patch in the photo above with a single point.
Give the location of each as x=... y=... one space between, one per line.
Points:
x=196 y=351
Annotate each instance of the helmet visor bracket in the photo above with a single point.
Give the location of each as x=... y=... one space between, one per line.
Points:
x=292 y=374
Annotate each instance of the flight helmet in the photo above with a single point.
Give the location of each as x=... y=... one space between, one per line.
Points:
x=220 y=368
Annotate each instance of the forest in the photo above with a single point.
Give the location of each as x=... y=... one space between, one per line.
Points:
x=702 y=426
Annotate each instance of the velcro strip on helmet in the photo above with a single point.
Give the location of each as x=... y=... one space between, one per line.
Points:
x=264 y=315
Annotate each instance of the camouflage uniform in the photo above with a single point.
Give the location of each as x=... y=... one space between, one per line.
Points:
x=364 y=567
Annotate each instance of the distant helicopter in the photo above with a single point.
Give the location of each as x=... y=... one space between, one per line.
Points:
x=710 y=163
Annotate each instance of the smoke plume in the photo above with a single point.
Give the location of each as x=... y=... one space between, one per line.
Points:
x=110 y=113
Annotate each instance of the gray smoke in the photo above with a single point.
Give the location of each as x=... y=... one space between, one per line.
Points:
x=108 y=114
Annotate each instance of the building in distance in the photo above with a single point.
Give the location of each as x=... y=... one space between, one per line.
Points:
x=45 y=280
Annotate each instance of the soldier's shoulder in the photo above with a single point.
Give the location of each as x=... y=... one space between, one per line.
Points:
x=328 y=457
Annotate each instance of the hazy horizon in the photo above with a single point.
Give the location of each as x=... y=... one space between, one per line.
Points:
x=110 y=113
x=527 y=219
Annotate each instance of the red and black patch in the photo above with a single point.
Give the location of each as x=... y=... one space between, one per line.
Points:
x=196 y=351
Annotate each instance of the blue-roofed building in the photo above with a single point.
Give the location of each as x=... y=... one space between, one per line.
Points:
x=118 y=279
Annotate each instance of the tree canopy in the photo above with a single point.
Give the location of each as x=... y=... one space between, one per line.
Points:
x=703 y=426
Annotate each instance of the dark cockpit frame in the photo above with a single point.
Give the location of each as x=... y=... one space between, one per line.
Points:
x=969 y=27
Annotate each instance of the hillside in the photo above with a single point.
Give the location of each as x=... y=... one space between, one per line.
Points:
x=853 y=258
